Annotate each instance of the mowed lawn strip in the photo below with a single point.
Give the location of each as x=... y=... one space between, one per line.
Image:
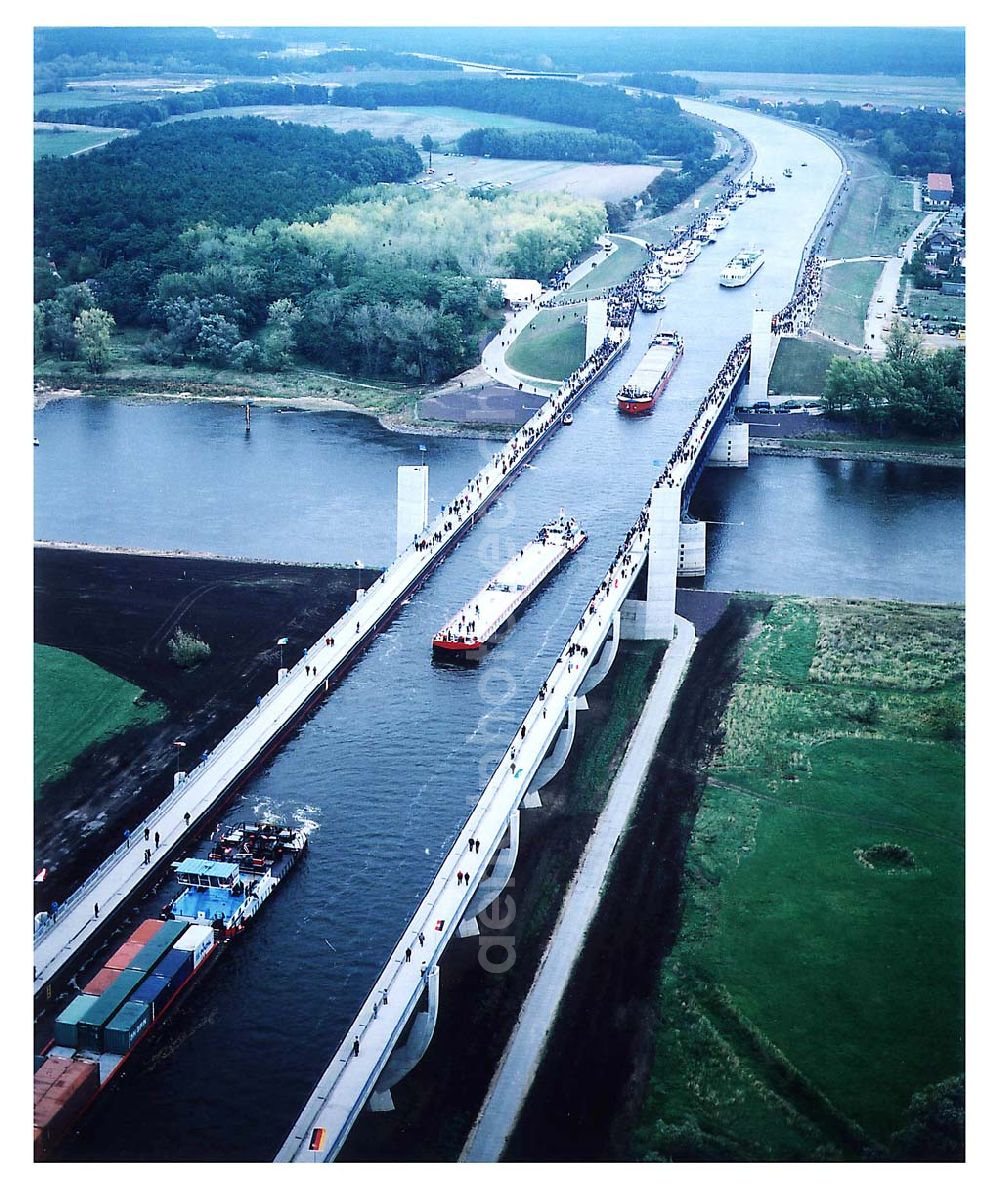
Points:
x=614 y=269
x=552 y=345
x=809 y=996
x=847 y=291
x=77 y=704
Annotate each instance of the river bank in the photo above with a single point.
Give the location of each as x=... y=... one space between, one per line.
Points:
x=402 y=421
x=845 y=452
x=119 y=611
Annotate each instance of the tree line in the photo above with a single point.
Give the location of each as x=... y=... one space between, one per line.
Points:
x=655 y=124
x=560 y=145
x=670 y=84
x=909 y=390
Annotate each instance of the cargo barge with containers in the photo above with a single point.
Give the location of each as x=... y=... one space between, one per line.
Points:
x=132 y=993
x=649 y=379
x=467 y=634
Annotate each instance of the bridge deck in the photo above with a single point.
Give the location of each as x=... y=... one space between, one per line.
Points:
x=348 y=1081
x=58 y=941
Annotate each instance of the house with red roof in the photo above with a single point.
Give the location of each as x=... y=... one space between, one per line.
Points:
x=939 y=191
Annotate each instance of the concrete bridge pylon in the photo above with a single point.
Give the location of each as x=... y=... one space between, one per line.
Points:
x=762 y=342
x=411 y=504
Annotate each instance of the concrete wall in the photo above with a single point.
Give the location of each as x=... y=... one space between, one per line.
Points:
x=597 y=323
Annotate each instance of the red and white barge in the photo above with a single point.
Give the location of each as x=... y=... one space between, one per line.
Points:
x=649 y=379
x=477 y=624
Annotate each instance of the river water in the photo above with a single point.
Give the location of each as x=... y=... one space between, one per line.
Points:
x=386 y=770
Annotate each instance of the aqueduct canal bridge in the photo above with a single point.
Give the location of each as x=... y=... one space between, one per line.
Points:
x=393 y=763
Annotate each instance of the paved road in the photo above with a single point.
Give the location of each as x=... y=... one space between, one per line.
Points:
x=516 y=1071
x=884 y=296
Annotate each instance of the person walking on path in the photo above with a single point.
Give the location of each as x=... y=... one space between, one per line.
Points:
x=97 y=910
x=466 y=878
x=421 y=938
x=145 y=835
x=156 y=841
x=357 y=1046
x=472 y=842
x=187 y=819
x=126 y=835
x=477 y=847
x=385 y=997
x=459 y=876
x=409 y=953
x=146 y=861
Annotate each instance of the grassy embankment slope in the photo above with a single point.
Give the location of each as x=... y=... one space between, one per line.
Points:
x=809 y=996
x=555 y=342
x=876 y=219
x=77 y=704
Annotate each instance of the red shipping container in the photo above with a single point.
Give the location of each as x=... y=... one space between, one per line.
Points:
x=101 y=980
x=125 y=955
x=145 y=931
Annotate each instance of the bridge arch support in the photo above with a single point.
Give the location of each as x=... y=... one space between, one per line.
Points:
x=409 y=1054
x=491 y=887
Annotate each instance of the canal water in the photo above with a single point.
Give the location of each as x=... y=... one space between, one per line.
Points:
x=387 y=769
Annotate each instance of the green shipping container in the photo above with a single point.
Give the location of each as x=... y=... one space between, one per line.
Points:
x=156 y=948
x=126 y=1027
x=67 y=1023
x=92 y=1021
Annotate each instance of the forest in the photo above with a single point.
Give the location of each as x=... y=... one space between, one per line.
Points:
x=838 y=50
x=127 y=202
x=86 y=53
x=560 y=145
x=392 y=282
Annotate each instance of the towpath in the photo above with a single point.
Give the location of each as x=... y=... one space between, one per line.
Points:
x=516 y=1071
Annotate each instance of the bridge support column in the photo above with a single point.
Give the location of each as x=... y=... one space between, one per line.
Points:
x=655 y=619
x=409 y=1054
x=761 y=339
x=732 y=448
x=691 y=549
x=550 y=766
x=411 y=504
x=602 y=664
x=491 y=887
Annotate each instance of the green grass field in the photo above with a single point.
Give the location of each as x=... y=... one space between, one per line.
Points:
x=614 y=269
x=847 y=290
x=800 y=366
x=879 y=215
x=552 y=345
x=809 y=996
x=55 y=143
x=77 y=704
